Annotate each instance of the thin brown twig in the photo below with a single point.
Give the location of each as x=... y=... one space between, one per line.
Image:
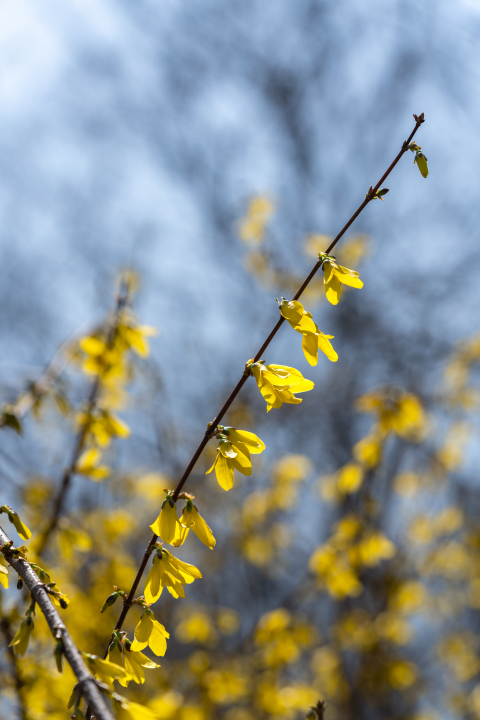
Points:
x=128 y=602
x=121 y=302
x=87 y=683
x=41 y=386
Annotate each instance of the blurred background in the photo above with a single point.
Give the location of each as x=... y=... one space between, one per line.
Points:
x=213 y=149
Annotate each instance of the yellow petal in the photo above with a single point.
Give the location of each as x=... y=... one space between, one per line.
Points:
x=224 y=472
x=310 y=349
x=268 y=393
x=214 y=463
x=118 y=426
x=291 y=311
x=88 y=459
x=303 y=386
x=180 y=533
x=135 y=340
x=93 y=346
x=327 y=272
x=242 y=461
x=21 y=528
x=333 y=290
x=326 y=347
x=226 y=449
x=153 y=587
x=306 y=324
x=158 y=639
x=126 y=710
x=22 y=637
x=202 y=530
x=186 y=569
x=281 y=375
x=167 y=522
x=143 y=630
x=254 y=443
x=350 y=478
x=105 y=669
x=348 y=277
x=133 y=668
x=3 y=576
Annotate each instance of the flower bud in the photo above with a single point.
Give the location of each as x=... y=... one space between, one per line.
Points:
x=109 y=601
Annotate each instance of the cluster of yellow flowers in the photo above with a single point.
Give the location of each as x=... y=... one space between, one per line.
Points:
x=106 y=358
x=278 y=384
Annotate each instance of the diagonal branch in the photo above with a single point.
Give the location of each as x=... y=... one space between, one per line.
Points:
x=208 y=434
x=87 y=682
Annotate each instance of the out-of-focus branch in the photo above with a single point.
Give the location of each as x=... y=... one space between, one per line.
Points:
x=6 y=631
x=87 y=684
x=12 y=413
x=317 y=712
x=58 y=502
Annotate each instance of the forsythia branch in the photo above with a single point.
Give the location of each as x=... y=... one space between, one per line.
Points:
x=87 y=682
x=371 y=195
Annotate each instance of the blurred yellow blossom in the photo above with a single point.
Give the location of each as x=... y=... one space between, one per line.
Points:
x=251 y=228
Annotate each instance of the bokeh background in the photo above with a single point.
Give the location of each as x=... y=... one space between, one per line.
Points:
x=135 y=135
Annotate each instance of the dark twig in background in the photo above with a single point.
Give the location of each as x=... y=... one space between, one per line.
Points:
x=6 y=630
x=58 y=502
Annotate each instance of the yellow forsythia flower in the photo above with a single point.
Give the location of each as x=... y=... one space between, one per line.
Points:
x=374 y=548
x=135 y=336
x=101 y=426
x=166 y=524
x=126 y=710
x=278 y=383
x=313 y=339
x=106 y=671
x=397 y=412
x=20 y=527
x=14 y=518
x=335 y=275
x=87 y=464
x=192 y=520
x=349 y=478
x=22 y=637
x=150 y=632
x=368 y=450
x=170 y=572
x=252 y=227
x=134 y=663
x=233 y=453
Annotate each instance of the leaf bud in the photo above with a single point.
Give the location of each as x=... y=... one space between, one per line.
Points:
x=58 y=652
x=110 y=601
x=63 y=603
x=19 y=583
